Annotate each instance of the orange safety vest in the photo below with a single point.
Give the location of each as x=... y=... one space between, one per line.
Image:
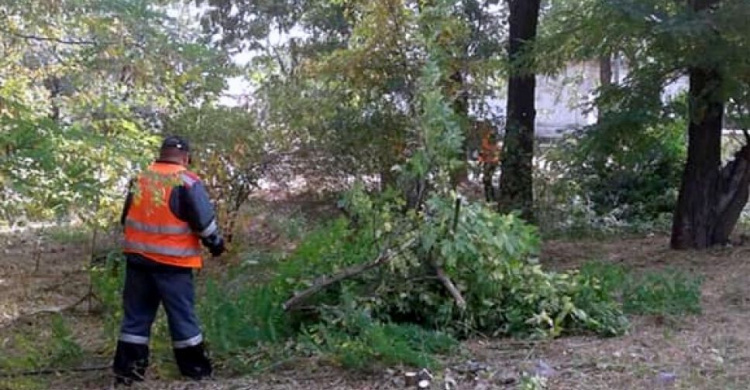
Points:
x=490 y=152
x=151 y=229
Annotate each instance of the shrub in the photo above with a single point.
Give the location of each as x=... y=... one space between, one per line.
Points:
x=624 y=170
x=489 y=257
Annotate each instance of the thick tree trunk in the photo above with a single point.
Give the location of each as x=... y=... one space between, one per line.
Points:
x=695 y=216
x=711 y=196
x=516 y=191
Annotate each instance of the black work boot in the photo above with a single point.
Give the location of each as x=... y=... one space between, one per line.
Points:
x=131 y=361
x=193 y=362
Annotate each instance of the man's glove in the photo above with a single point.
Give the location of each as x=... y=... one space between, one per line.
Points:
x=215 y=245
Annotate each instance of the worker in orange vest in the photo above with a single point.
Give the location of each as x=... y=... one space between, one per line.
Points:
x=166 y=218
x=489 y=159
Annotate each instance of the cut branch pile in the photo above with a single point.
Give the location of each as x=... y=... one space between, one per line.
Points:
x=383 y=258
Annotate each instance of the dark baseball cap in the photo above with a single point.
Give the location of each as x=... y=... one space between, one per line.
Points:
x=176 y=142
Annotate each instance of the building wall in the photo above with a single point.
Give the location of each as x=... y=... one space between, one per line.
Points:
x=561 y=99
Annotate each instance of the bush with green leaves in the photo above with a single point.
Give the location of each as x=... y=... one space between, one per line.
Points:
x=490 y=258
x=623 y=170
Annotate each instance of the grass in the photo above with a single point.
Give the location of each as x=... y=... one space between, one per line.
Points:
x=377 y=345
x=48 y=345
x=668 y=292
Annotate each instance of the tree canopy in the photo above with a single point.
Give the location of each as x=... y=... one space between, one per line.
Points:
x=86 y=86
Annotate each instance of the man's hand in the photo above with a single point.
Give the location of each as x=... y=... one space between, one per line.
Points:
x=218 y=249
x=215 y=245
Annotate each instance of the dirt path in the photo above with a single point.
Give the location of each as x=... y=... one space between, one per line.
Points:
x=707 y=351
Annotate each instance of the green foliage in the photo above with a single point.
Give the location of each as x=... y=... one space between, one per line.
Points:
x=84 y=95
x=21 y=354
x=362 y=344
x=240 y=319
x=23 y=383
x=231 y=154
x=107 y=281
x=622 y=169
x=51 y=346
x=667 y=292
x=69 y=234
x=533 y=382
x=631 y=166
x=64 y=350
x=489 y=257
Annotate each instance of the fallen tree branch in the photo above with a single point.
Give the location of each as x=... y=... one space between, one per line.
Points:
x=452 y=289
x=383 y=258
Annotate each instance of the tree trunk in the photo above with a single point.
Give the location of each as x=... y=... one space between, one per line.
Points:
x=711 y=196
x=605 y=78
x=516 y=192
x=696 y=214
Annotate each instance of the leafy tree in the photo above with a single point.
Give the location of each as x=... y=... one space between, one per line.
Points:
x=712 y=196
x=664 y=40
x=231 y=153
x=86 y=86
x=346 y=86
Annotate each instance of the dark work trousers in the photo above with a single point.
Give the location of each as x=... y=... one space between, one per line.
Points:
x=147 y=285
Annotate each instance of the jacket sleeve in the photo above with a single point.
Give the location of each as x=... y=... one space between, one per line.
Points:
x=196 y=208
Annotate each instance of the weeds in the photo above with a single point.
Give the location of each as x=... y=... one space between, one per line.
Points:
x=668 y=292
x=379 y=344
x=40 y=350
x=64 y=350
x=107 y=280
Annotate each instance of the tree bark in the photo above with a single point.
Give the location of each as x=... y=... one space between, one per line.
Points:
x=516 y=192
x=605 y=77
x=692 y=226
x=711 y=196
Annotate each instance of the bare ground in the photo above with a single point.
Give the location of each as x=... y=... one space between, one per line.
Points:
x=707 y=351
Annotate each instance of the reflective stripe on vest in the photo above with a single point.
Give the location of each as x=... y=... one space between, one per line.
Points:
x=160 y=249
x=157 y=229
